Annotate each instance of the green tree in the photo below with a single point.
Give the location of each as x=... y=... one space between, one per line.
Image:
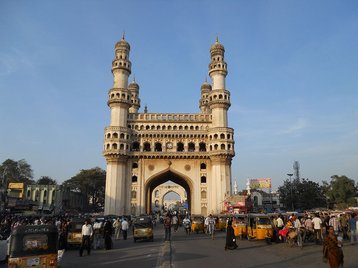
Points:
x=341 y=191
x=15 y=171
x=90 y=182
x=301 y=194
x=45 y=180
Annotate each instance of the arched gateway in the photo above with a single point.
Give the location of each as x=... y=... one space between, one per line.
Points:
x=144 y=150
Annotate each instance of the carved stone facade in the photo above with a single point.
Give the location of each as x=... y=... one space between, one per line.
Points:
x=145 y=150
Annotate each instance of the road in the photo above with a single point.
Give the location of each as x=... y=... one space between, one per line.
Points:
x=199 y=250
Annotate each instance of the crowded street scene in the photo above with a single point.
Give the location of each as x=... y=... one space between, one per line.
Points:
x=183 y=241
x=178 y=134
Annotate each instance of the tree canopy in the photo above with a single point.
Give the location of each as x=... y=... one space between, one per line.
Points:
x=340 y=191
x=16 y=171
x=90 y=182
x=301 y=194
x=45 y=180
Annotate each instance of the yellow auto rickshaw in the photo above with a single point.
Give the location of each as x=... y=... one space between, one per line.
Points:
x=33 y=246
x=221 y=222
x=143 y=228
x=197 y=224
x=74 y=232
x=239 y=224
x=259 y=227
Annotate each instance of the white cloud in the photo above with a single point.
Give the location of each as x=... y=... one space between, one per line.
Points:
x=295 y=128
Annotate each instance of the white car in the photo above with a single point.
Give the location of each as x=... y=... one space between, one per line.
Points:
x=3 y=249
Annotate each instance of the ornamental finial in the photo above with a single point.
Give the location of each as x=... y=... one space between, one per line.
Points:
x=123 y=35
x=217 y=39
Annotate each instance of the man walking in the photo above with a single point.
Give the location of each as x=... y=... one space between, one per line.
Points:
x=125 y=227
x=87 y=232
x=117 y=228
x=352 y=222
x=167 y=226
x=317 y=228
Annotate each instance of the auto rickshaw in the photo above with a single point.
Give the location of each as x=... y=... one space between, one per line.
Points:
x=143 y=228
x=221 y=222
x=74 y=234
x=33 y=246
x=197 y=224
x=259 y=227
x=239 y=224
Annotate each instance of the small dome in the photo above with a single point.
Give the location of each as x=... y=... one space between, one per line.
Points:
x=122 y=43
x=133 y=85
x=206 y=85
x=217 y=45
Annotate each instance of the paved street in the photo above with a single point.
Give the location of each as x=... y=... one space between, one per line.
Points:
x=198 y=250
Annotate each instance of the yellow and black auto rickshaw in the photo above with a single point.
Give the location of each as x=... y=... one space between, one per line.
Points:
x=197 y=224
x=74 y=232
x=239 y=224
x=143 y=228
x=259 y=227
x=33 y=246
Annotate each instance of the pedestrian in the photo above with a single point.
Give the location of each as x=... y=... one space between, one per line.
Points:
x=125 y=227
x=117 y=228
x=332 y=250
x=108 y=231
x=175 y=222
x=352 y=222
x=211 y=226
x=317 y=228
x=98 y=234
x=230 y=237
x=344 y=225
x=167 y=226
x=87 y=232
x=187 y=224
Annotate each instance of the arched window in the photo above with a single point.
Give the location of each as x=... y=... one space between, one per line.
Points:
x=156 y=203
x=216 y=147
x=156 y=193
x=45 y=194
x=146 y=147
x=121 y=146
x=191 y=147
x=115 y=135
x=222 y=136
x=122 y=136
x=134 y=179
x=114 y=146
x=158 y=147
x=135 y=165
x=135 y=146
x=203 y=179
x=202 y=147
x=180 y=147
x=202 y=166
x=203 y=194
x=222 y=147
x=28 y=194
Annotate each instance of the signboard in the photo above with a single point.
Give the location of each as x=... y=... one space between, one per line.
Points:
x=260 y=183
x=16 y=185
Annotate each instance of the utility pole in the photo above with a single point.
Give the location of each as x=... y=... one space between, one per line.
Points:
x=290 y=175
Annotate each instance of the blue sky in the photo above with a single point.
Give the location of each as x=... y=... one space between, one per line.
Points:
x=293 y=77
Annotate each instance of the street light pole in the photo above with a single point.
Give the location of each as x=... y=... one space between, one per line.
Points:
x=290 y=175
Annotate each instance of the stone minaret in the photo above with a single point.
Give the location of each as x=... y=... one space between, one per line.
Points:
x=204 y=100
x=220 y=135
x=117 y=135
x=135 y=100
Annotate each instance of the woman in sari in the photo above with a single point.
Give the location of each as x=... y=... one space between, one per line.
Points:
x=230 y=236
x=332 y=250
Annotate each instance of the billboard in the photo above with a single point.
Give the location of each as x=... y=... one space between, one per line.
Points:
x=262 y=183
